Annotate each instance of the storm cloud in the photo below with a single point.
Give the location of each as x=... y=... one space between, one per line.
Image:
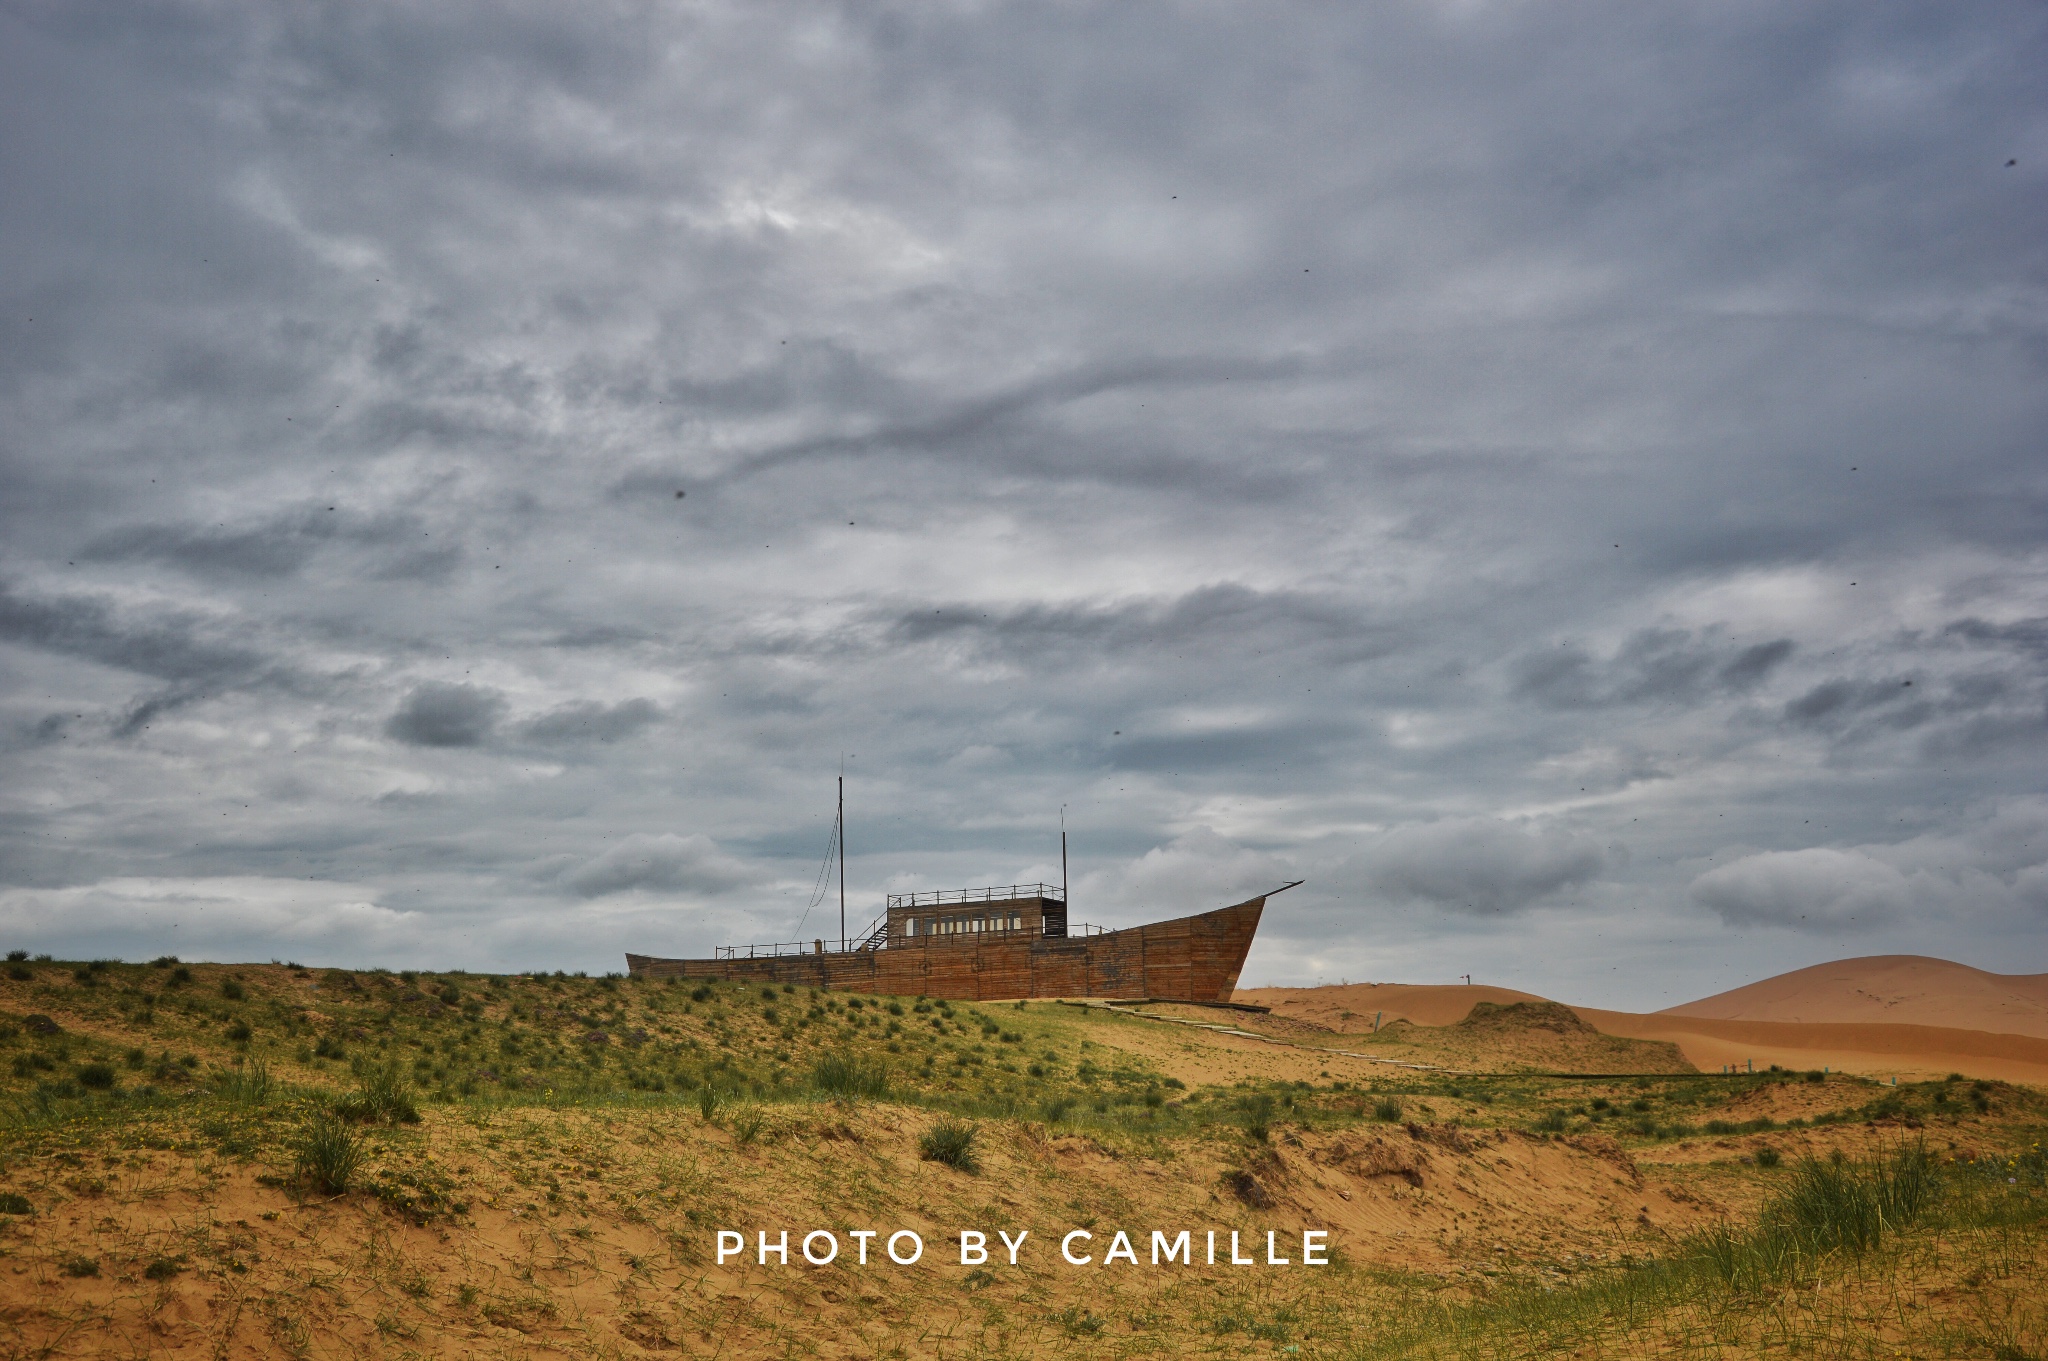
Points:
x=1564 y=483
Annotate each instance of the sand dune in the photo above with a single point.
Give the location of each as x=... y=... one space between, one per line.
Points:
x=1883 y=1016
x=1908 y=990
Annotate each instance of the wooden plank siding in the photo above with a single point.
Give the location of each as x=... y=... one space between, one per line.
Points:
x=1193 y=959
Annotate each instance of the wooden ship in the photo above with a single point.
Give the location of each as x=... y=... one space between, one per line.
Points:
x=986 y=944
x=999 y=943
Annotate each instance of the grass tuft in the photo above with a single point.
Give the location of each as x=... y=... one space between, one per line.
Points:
x=747 y=1123
x=250 y=1085
x=847 y=1078
x=381 y=1094
x=950 y=1142
x=329 y=1153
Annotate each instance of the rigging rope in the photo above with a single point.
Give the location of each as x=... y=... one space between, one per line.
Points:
x=824 y=884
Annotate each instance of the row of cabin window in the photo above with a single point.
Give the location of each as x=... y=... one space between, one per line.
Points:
x=953 y=926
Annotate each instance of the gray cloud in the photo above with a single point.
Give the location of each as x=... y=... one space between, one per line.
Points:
x=1817 y=889
x=1836 y=700
x=590 y=721
x=1651 y=666
x=1479 y=866
x=438 y=714
x=390 y=547
x=664 y=863
x=171 y=645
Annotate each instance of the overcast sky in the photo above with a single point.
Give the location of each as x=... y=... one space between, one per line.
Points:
x=1566 y=481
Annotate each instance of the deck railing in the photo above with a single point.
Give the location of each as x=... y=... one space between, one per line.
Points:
x=870 y=937
x=1005 y=893
x=876 y=937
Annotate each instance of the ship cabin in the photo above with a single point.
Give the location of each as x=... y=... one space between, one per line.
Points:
x=968 y=914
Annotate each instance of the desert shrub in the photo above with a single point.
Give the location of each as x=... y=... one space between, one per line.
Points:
x=16 y=956
x=329 y=1048
x=75 y=1265
x=239 y=1032
x=162 y=1269
x=1058 y=1109
x=232 y=990
x=707 y=1102
x=848 y=1078
x=97 y=1076
x=14 y=1203
x=1768 y=1157
x=950 y=1142
x=329 y=1153
x=180 y=976
x=1551 y=1122
x=1257 y=1116
x=700 y=993
x=381 y=1093
x=1388 y=1110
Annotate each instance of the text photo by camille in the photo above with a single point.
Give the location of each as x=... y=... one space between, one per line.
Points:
x=904 y=1247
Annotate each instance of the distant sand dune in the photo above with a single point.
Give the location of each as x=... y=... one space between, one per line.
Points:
x=1888 y=989
x=1885 y=1015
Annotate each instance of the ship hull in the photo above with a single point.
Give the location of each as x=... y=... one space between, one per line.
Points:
x=1190 y=959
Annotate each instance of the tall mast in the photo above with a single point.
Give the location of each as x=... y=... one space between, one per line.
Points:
x=842 y=864
x=1063 y=853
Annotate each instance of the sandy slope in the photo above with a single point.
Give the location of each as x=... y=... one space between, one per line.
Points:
x=1888 y=989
